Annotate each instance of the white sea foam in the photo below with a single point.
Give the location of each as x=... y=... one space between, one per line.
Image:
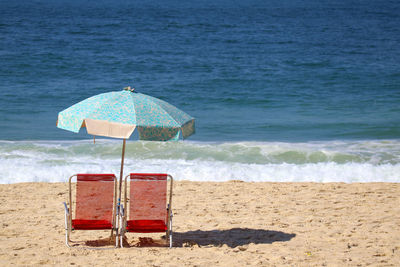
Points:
x=54 y=161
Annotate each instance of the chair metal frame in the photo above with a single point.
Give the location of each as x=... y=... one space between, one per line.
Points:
x=68 y=215
x=123 y=215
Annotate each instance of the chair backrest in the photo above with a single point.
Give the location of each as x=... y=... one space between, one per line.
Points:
x=148 y=196
x=95 y=196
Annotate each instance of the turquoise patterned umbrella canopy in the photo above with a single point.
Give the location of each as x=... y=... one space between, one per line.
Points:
x=118 y=114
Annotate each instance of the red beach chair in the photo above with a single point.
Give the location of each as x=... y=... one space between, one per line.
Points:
x=94 y=207
x=148 y=211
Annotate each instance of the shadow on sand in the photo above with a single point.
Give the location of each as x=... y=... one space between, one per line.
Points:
x=232 y=237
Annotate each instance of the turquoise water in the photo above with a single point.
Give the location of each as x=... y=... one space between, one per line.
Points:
x=281 y=90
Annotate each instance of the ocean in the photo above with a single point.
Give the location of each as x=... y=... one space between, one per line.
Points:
x=281 y=90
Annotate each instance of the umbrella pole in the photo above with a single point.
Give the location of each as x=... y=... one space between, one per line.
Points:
x=121 y=173
x=115 y=223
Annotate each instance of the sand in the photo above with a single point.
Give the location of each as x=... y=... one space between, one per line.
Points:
x=219 y=224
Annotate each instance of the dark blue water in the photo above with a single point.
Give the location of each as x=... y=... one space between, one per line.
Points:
x=255 y=71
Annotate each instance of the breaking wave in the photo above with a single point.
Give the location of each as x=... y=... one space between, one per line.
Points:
x=331 y=161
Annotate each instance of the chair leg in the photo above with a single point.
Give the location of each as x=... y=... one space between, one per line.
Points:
x=170 y=232
x=116 y=237
x=67 y=226
x=122 y=223
x=121 y=238
x=117 y=228
x=68 y=235
x=122 y=232
x=67 y=238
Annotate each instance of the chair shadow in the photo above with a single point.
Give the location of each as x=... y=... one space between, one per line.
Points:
x=103 y=243
x=100 y=242
x=231 y=237
x=145 y=242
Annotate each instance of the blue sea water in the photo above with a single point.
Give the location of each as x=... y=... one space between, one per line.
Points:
x=281 y=90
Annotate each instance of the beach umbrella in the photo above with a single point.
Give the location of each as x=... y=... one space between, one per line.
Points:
x=117 y=114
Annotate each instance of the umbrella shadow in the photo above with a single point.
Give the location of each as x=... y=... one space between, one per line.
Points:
x=231 y=237
x=234 y=237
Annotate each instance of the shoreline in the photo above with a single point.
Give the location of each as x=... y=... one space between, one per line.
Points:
x=219 y=224
x=328 y=161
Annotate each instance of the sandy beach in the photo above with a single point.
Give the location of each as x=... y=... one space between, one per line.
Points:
x=219 y=224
